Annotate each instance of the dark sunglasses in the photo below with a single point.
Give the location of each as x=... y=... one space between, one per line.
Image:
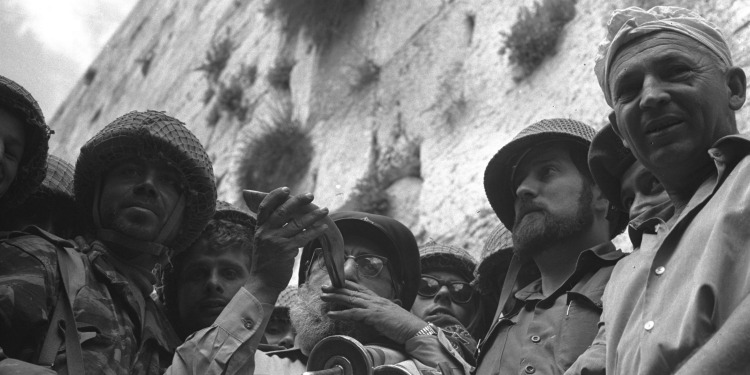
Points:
x=459 y=291
x=368 y=265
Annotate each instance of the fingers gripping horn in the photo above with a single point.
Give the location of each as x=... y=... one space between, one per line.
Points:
x=331 y=240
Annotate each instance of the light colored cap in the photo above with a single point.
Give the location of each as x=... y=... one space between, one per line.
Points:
x=631 y=23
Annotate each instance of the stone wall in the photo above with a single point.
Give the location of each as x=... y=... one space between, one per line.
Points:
x=413 y=92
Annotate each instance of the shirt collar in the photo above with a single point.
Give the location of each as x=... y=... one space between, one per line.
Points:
x=592 y=259
x=726 y=152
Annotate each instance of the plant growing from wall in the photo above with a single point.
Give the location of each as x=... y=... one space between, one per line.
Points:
x=399 y=158
x=230 y=98
x=278 y=155
x=535 y=34
x=216 y=57
x=321 y=20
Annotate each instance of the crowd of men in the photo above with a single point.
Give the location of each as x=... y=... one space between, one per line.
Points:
x=126 y=263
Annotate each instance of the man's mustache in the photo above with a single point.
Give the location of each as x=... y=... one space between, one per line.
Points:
x=525 y=206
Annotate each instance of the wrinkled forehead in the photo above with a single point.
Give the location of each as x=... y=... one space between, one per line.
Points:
x=359 y=244
x=659 y=46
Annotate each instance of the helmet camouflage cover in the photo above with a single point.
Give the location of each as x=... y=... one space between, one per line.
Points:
x=151 y=134
x=32 y=168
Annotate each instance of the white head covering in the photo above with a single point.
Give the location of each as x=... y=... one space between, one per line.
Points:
x=631 y=23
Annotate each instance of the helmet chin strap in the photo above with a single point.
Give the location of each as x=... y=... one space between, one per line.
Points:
x=154 y=248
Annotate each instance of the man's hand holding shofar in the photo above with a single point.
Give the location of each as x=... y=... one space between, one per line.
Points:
x=386 y=316
x=285 y=223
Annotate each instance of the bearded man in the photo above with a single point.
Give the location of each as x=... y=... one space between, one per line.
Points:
x=84 y=306
x=679 y=304
x=382 y=276
x=539 y=184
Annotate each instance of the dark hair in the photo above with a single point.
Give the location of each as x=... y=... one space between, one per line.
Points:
x=219 y=233
x=580 y=160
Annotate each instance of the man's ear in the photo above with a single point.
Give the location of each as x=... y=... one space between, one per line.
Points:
x=737 y=84
x=613 y=120
x=398 y=302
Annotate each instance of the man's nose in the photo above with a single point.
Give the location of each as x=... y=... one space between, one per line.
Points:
x=350 y=270
x=443 y=295
x=653 y=93
x=214 y=282
x=147 y=184
x=527 y=188
x=288 y=340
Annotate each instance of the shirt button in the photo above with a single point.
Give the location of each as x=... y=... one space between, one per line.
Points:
x=535 y=339
x=659 y=270
x=248 y=323
x=649 y=325
x=529 y=369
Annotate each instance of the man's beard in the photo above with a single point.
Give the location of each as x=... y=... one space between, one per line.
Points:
x=308 y=315
x=530 y=238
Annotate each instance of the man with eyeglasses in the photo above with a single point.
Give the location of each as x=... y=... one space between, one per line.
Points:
x=382 y=275
x=539 y=184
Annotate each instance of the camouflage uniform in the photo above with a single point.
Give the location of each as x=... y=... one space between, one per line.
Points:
x=121 y=329
x=111 y=313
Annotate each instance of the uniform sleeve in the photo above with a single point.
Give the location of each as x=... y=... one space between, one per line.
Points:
x=593 y=360
x=229 y=345
x=27 y=290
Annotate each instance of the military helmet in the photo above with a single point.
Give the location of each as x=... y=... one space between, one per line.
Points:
x=151 y=134
x=435 y=256
x=229 y=212
x=498 y=184
x=58 y=182
x=32 y=168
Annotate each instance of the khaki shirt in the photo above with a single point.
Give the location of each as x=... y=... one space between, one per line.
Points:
x=670 y=296
x=546 y=335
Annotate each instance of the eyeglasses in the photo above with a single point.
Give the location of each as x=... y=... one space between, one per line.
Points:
x=368 y=265
x=459 y=291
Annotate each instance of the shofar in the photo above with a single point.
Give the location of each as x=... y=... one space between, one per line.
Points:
x=331 y=240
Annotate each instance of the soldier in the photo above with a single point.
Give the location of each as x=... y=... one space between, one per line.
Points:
x=540 y=185
x=445 y=296
x=630 y=187
x=148 y=186
x=24 y=140
x=280 y=332
x=202 y=280
x=489 y=276
x=52 y=206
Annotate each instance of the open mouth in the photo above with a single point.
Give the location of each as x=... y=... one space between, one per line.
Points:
x=661 y=124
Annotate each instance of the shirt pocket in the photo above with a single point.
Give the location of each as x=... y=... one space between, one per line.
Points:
x=578 y=329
